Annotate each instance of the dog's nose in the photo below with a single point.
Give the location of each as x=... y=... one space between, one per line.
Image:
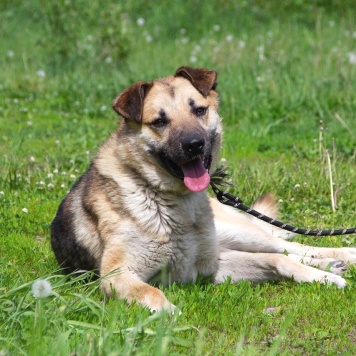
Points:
x=193 y=144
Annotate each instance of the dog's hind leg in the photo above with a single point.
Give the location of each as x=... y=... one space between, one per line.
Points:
x=261 y=267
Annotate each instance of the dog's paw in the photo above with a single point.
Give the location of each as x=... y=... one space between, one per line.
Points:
x=348 y=255
x=331 y=278
x=337 y=267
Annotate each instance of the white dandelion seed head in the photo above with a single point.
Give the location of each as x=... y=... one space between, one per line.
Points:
x=216 y=28
x=182 y=31
x=229 y=38
x=2 y=193
x=140 y=21
x=108 y=60
x=297 y=186
x=242 y=44
x=55 y=171
x=193 y=59
x=41 y=73
x=24 y=210
x=49 y=175
x=352 y=57
x=32 y=159
x=149 y=38
x=10 y=54
x=41 y=288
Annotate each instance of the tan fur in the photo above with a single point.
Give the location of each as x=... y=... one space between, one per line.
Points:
x=131 y=216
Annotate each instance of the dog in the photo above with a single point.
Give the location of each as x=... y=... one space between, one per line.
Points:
x=142 y=206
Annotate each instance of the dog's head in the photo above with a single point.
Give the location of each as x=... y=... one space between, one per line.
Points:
x=177 y=122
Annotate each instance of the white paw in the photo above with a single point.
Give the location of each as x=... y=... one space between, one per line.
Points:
x=337 y=267
x=348 y=255
x=333 y=279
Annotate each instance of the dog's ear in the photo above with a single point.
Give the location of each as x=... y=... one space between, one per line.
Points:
x=203 y=80
x=129 y=104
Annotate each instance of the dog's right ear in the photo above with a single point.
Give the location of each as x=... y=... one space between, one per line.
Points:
x=129 y=104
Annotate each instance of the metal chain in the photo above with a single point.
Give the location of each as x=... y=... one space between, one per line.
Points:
x=231 y=200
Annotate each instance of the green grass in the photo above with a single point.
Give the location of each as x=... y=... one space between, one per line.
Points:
x=282 y=67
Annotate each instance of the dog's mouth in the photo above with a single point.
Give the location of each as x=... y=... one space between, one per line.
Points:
x=195 y=173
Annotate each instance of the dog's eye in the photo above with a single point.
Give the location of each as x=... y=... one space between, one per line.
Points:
x=200 y=111
x=159 y=123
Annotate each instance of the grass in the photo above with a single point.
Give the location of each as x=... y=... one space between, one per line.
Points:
x=282 y=69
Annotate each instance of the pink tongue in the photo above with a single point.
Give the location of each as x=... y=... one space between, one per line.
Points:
x=196 y=177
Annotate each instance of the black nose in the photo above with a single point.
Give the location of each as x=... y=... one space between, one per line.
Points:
x=193 y=144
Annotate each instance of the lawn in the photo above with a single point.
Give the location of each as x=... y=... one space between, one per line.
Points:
x=287 y=74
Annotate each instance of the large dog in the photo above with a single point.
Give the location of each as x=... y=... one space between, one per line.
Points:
x=142 y=207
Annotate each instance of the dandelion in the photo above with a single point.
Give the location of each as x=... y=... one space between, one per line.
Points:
x=55 y=171
x=352 y=57
x=29 y=123
x=108 y=60
x=62 y=185
x=72 y=176
x=103 y=107
x=49 y=175
x=216 y=28
x=229 y=38
x=2 y=193
x=280 y=201
x=184 y=40
x=64 y=173
x=11 y=54
x=182 y=31
x=25 y=210
x=41 y=289
x=32 y=159
x=57 y=142
x=297 y=186
x=149 y=38
x=242 y=44
x=331 y=23
x=193 y=59
x=41 y=73
x=197 y=48
x=50 y=185
x=140 y=21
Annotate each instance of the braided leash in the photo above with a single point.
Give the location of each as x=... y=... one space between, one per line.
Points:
x=231 y=200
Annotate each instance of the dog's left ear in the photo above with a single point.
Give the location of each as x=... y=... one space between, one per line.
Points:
x=129 y=104
x=203 y=80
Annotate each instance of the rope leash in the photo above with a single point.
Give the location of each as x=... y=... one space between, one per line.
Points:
x=231 y=200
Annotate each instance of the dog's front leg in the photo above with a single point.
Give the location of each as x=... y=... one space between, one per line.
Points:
x=120 y=281
x=261 y=267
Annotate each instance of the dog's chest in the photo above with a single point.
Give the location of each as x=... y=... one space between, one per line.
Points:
x=173 y=234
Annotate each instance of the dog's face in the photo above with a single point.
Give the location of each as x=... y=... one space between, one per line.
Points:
x=177 y=120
